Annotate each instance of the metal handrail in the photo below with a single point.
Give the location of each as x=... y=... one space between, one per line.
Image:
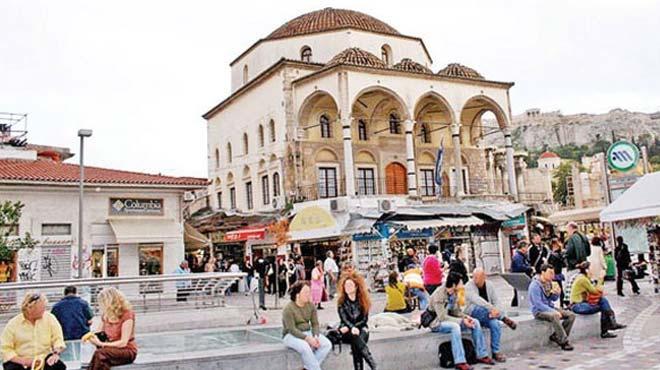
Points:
x=119 y=280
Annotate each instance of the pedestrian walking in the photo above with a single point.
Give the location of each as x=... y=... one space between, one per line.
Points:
x=623 y=267
x=331 y=273
x=353 y=306
x=73 y=313
x=318 y=286
x=118 y=325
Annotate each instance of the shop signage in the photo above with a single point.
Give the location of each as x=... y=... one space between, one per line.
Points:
x=136 y=207
x=312 y=218
x=514 y=223
x=414 y=234
x=622 y=156
x=245 y=234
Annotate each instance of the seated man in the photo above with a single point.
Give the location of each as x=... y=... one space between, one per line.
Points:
x=450 y=319
x=587 y=299
x=73 y=313
x=301 y=327
x=542 y=293
x=482 y=304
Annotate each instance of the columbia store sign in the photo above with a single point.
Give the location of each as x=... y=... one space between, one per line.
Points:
x=136 y=207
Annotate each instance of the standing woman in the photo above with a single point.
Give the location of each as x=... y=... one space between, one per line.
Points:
x=353 y=306
x=317 y=284
x=118 y=324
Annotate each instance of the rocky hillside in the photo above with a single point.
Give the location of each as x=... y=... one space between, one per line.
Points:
x=534 y=130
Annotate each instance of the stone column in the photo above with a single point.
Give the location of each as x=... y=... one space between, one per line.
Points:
x=410 y=159
x=490 y=159
x=510 y=164
x=345 y=118
x=456 y=142
x=521 y=174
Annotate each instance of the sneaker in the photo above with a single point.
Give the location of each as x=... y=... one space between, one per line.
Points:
x=463 y=366
x=486 y=360
x=567 y=347
x=499 y=357
x=510 y=323
x=607 y=334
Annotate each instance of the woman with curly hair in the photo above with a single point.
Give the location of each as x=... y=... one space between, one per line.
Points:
x=118 y=327
x=353 y=305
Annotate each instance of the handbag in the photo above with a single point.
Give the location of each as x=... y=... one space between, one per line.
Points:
x=427 y=318
x=335 y=337
x=593 y=298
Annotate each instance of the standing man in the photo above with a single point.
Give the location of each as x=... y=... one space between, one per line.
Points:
x=538 y=253
x=331 y=273
x=182 y=286
x=520 y=264
x=577 y=251
x=260 y=268
x=623 y=263
x=73 y=314
x=542 y=294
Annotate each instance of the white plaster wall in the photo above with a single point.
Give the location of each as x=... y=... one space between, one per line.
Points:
x=54 y=204
x=324 y=46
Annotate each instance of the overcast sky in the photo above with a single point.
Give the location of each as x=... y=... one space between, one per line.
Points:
x=141 y=73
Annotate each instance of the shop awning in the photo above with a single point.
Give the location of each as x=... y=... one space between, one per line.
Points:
x=145 y=230
x=577 y=215
x=440 y=222
x=639 y=201
x=193 y=239
x=359 y=226
x=252 y=233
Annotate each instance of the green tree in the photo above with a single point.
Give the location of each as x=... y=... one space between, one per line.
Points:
x=10 y=214
x=559 y=187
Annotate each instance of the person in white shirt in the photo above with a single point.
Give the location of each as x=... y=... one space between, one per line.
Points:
x=331 y=272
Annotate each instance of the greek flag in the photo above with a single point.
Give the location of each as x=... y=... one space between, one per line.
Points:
x=438 y=166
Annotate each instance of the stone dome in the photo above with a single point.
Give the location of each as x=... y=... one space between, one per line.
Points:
x=356 y=57
x=409 y=65
x=330 y=19
x=459 y=70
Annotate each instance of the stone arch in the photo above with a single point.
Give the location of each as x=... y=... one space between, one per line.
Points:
x=423 y=101
x=426 y=158
x=217 y=182
x=403 y=112
x=262 y=165
x=313 y=107
x=246 y=171
x=434 y=113
x=230 y=177
x=365 y=156
x=486 y=103
x=326 y=155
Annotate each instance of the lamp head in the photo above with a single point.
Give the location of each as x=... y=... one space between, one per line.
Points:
x=84 y=133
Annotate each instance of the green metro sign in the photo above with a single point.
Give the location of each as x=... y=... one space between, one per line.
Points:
x=622 y=156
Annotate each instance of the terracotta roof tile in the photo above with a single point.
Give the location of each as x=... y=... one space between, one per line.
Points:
x=330 y=19
x=458 y=70
x=50 y=171
x=357 y=57
x=549 y=155
x=409 y=65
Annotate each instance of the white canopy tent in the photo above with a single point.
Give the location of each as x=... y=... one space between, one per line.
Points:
x=639 y=201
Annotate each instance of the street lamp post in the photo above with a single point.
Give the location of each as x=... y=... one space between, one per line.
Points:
x=82 y=134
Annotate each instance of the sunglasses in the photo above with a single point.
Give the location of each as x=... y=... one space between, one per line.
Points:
x=33 y=298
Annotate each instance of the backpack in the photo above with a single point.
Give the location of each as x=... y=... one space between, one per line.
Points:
x=446 y=356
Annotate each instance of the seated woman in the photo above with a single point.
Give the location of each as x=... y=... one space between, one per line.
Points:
x=300 y=329
x=587 y=299
x=353 y=306
x=118 y=324
x=395 y=292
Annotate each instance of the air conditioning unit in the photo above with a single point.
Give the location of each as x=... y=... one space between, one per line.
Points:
x=338 y=205
x=386 y=205
x=188 y=196
x=278 y=202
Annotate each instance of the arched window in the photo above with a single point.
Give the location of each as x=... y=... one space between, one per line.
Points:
x=306 y=54
x=261 y=136
x=324 y=121
x=362 y=130
x=395 y=124
x=245 y=74
x=424 y=133
x=386 y=54
x=276 y=184
x=229 y=156
x=271 y=128
x=245 y=144
x=217 y=158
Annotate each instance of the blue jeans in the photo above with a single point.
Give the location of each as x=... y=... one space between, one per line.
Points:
x=450 y=327
x=493 y=324
x=422 y=297
x=603 y=306
x=312 y=358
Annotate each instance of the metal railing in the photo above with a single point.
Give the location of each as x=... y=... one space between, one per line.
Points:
x=146 y=293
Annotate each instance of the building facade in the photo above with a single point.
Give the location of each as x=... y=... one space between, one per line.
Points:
x=337 y=103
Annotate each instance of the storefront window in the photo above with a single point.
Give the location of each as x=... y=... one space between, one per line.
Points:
x=151 y=259
x=366 y=181
x=112 y=262
x=427 y=185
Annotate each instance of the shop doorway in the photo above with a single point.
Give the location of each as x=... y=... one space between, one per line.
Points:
x=105 y=261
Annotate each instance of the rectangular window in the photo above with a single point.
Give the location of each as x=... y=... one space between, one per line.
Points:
x=55 y=229
x=265 y=190
x=232 y=198
x=151 y=259
x=219 y=200
x=366 y=181
x=427 y=186
x=9 y=230
x=112 y=262
x=276 y=184
x=248 y=195
x=327 y=182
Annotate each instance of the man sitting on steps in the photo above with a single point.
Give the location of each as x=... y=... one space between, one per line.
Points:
x=483 y=305
x=542 y=294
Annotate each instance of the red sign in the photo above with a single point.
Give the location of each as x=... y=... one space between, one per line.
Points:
x=245 y=234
